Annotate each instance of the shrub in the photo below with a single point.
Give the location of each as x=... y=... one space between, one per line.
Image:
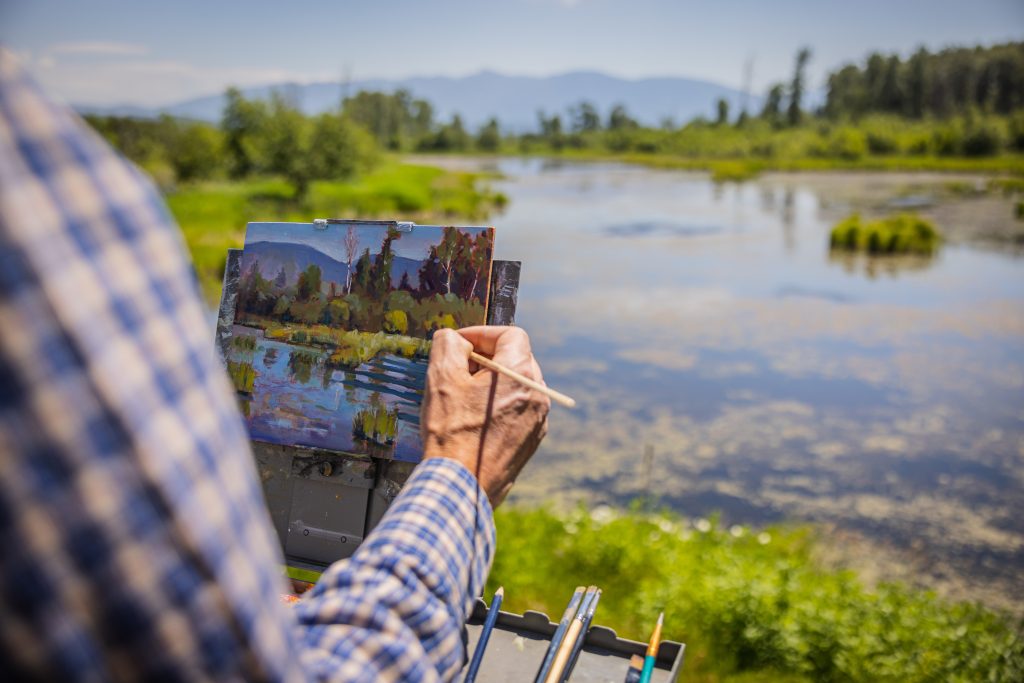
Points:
x=1017 y=131
x=981 y=140
x=848 y=143
x=439 y=321
x=396 y=322
x=947 y=139
x=882 y=142
x=904 y=233
x=308 y=312
x=337 y=313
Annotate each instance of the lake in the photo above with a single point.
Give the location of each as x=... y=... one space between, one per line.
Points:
x=723 y=361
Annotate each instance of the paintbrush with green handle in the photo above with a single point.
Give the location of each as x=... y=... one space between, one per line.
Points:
x=652 y=651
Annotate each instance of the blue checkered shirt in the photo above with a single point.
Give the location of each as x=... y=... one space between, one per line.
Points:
x=134 y=540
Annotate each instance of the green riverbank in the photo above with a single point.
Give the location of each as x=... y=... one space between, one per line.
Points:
x=752 y=605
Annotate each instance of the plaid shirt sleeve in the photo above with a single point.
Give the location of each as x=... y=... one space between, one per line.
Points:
x=134 y=541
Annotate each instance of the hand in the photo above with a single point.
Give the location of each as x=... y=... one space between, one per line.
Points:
x=486 y=421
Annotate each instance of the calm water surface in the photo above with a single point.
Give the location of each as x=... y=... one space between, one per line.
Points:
x=300 y=400
x=709 y=326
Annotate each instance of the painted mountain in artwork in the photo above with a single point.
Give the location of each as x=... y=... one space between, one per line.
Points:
x=293 y=258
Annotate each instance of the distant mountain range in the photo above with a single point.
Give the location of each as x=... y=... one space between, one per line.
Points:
x=271 y=257
x=513 y=100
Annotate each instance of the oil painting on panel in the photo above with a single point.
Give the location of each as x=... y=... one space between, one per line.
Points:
x=333 y=325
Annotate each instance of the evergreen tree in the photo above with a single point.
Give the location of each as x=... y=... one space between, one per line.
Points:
x=489 y=138
x=773 y=104
x=794 y=113
x=722 y=108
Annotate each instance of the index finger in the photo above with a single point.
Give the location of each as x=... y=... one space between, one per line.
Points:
x=487 y=339
x=449 y=352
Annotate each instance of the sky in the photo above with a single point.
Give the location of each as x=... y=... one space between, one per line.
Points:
x=330 y=240
x=107 y=52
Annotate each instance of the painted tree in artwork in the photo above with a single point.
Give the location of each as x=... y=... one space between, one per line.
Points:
x=381 y=277
x=430 y=275
x=448 y=253
x=351 y=245
x=479 y=260
x=363 y=279
x=404 y=284
x=309 y=282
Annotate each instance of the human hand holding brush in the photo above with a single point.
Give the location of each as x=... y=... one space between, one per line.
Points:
x=488 y=422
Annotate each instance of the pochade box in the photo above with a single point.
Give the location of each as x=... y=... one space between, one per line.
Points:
x=324 y=330
x=517 y=645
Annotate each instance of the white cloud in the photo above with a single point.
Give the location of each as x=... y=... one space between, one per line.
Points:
x=147 y=82
x=99 y=48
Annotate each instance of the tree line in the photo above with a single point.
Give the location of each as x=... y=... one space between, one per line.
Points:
x=937 y=84
x=257 y=137
x=965 y=101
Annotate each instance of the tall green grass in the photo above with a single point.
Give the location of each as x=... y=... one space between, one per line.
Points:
x=751 y=605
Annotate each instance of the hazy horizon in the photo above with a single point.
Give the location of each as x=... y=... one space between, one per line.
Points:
x=112 y=52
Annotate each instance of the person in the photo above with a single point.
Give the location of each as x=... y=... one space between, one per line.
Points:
x=134 y=540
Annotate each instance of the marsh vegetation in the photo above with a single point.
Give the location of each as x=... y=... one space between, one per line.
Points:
x=903 y=233
x=752 y=604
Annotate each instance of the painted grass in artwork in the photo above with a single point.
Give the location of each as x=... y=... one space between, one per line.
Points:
x=242 y=374
x=349 y=348
x=377 y=423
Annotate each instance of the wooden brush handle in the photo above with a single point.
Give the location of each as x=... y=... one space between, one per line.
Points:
x=555 y=396
x=562 y=658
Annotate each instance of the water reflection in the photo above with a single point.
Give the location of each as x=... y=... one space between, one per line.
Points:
x=773 y=381
x=880 y=266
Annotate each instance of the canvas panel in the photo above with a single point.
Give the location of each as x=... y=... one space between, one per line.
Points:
x=332 y=326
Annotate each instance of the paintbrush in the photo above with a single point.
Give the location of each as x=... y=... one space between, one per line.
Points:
x=485 y=634
x=652 y=651
x=573 y=632
x=588 y=618
x=556 y=639
x=555 y=396
x=636 y=665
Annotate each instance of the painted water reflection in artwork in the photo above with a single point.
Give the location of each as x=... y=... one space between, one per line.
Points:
x=332 y=328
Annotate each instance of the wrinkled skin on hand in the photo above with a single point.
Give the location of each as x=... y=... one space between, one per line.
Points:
x=486 y=421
